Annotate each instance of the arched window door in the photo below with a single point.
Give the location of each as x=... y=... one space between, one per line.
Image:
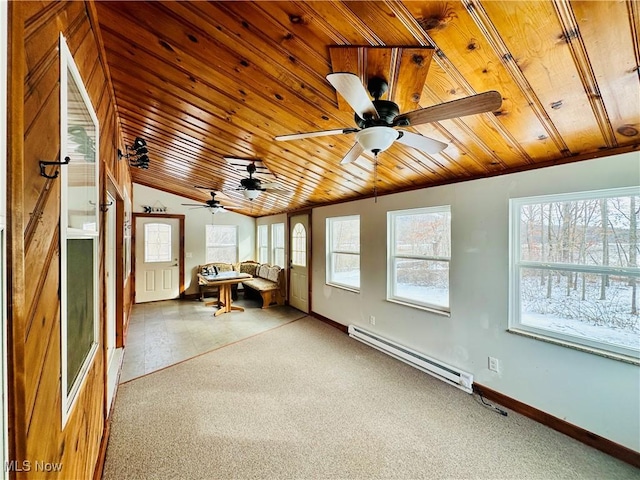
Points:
x=300 y=260
x=299 y=245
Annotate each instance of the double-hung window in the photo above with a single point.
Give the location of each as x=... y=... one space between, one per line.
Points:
x=221 y=243
x=277 y=244
x=343 y=252
x=574 y=270
x=263 y=244
x=419 y=253
x=79 y=202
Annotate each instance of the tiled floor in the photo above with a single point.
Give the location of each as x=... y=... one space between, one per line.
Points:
x=163 y=333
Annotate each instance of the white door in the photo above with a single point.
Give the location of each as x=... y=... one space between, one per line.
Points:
x=299 y=269
x=157 y=259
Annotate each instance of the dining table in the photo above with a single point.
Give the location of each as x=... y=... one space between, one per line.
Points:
x=224 y=281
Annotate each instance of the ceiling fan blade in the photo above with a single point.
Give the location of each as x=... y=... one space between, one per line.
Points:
x=321 y=133
x=480 y=103
x=420 y=142
x=350 y=87
x=352 y=154
x=279 y=191
x=272 y=185
x=193 y=204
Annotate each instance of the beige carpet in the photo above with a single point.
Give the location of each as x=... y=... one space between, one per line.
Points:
x=305 y=401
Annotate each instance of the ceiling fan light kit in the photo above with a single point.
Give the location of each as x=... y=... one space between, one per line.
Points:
x=251 y=194
x=377 y=139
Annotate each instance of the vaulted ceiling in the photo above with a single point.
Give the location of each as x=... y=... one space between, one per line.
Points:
x=201 y=81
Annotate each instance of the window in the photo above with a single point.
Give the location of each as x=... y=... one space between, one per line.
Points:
x=299 y=247
x=157 y=242
x=79 y=284
x=419 y=246
x=222 y=243
x=574 y=269
x=263 y=244
x=277 y=242
x=343 y=252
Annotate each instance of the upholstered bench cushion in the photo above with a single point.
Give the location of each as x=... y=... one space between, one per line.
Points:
x=271 y=273
x=269 y=282
x=247 y=267
x=260 y=284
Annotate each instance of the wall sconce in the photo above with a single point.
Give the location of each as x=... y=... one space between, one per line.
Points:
x=137 y=154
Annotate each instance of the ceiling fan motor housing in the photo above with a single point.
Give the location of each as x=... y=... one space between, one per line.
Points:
x=387 y=111
x=251 y=183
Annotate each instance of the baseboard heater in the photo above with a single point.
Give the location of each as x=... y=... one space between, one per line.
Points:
x=444 y=372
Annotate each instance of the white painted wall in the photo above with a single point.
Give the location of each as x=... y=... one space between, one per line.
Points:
x=194 y=226
x=596 y=393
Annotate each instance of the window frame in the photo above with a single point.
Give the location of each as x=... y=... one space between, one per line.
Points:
x=330 y=251
x=392 y=257
x=515 y=324
x=70 y=394
x=207 y=246
x=275 y=247
x=262 y=243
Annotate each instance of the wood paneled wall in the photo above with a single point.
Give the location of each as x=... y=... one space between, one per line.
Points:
x=36 y=432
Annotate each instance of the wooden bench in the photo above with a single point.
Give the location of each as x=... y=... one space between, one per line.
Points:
x=269 y=282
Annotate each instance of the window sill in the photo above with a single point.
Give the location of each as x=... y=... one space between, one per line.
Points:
x=444 y=313
x=576 y=346
x=343 y=287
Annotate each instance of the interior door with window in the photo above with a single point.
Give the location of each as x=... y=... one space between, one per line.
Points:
x=157 y=258
x=299 y=268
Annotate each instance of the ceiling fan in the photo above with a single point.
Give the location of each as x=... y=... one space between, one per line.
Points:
x=377 y=120
x=252 y=187
x=213 y=205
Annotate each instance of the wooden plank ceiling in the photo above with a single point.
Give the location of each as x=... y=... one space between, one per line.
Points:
x=200 y=81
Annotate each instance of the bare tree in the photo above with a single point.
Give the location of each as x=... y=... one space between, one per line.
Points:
x=605 y=247
x=549 y=251
x=633 y=253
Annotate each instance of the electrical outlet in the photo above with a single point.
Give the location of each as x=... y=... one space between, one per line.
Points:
x=494 y=364
x=372 y=320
